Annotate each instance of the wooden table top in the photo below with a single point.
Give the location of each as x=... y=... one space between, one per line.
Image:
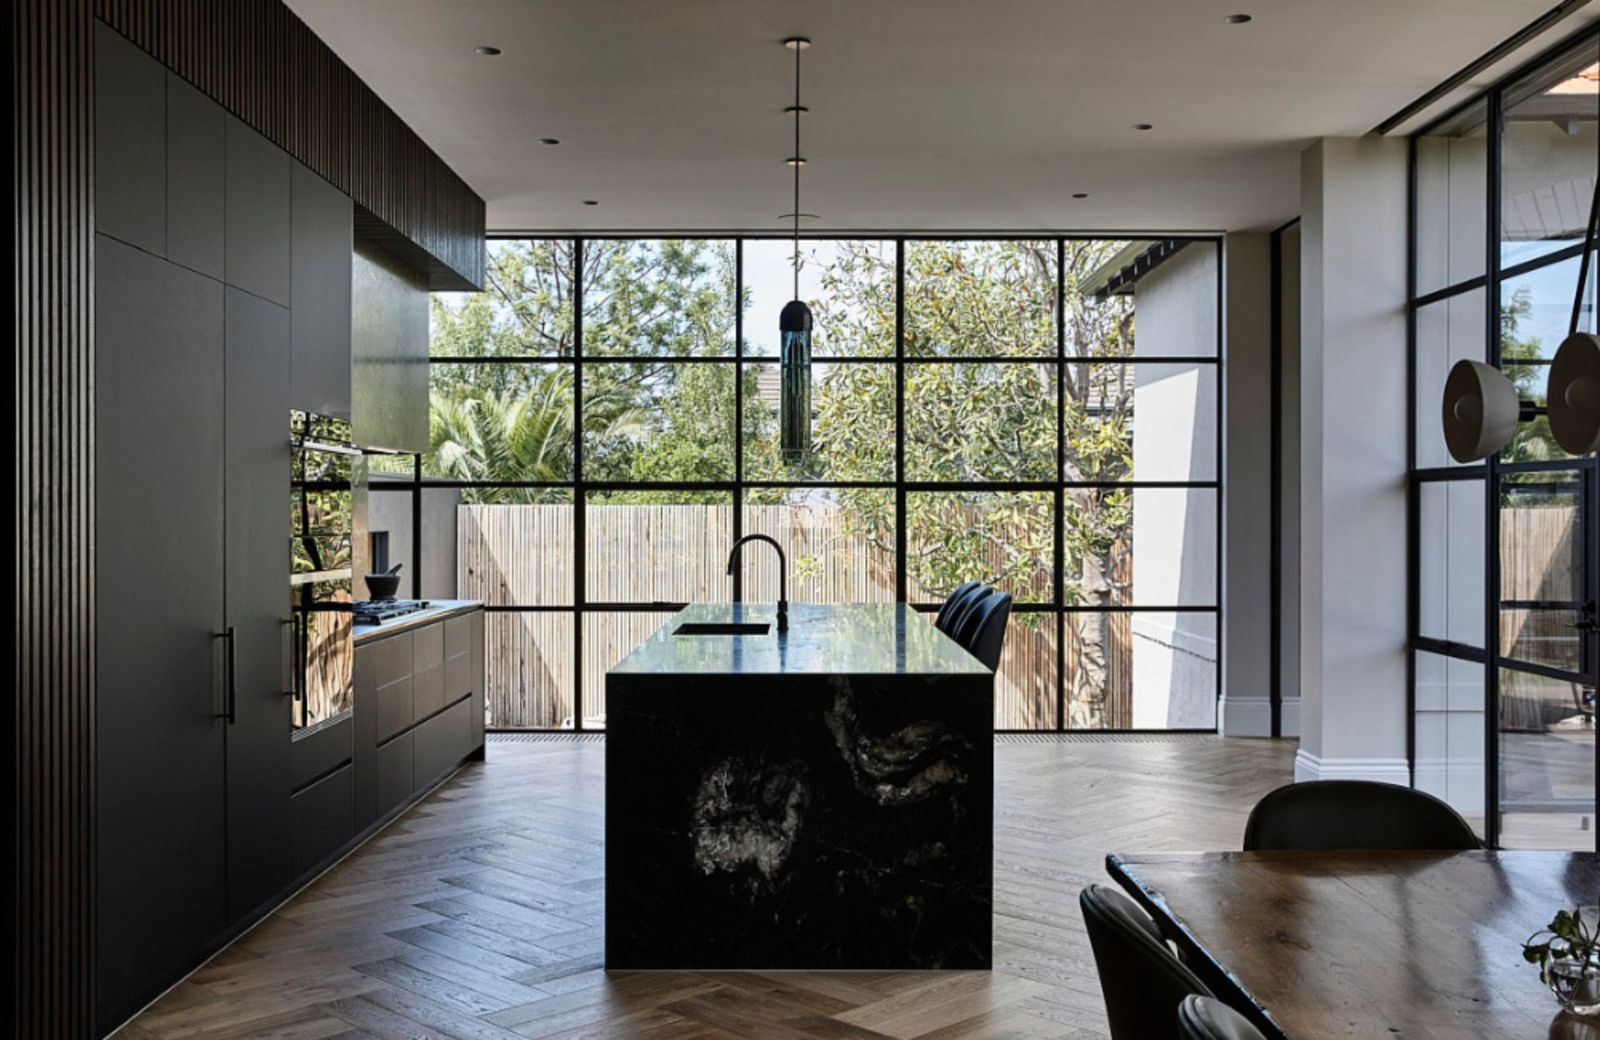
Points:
x=1371 y=944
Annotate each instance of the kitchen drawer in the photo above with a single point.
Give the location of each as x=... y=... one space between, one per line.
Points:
x=394 y=708
x=318 y=751
x=395 y=772
x=443 y=741
x=428 y=680
x=324 y=819
x=459 y=670
x=391 y=657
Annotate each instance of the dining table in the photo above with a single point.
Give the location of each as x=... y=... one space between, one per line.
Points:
x=1374 y=944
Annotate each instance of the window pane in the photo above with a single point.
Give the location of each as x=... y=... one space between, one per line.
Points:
x=970 y=422
x=1452 y=182
x=658 y=298
x=849 y=286
x=1542 y=559
x=839 y=543
x=1449 y=733
x=1548 y=155
x=525 y=307
x=1140 y=546
x=1450 y=565
x=1003 y=538
x=1025 y=682
x=528 y=670
x=1171 y=283
x=492 y=422
x=657 y=547
x=1105 y=439
x=608 y=637
x=1447 y=332
x=658 y=422
x=980 y=299
x=1547 y=777
x=516 y=555
x=1147 y=670
x=852 y=426
x=1535 y=311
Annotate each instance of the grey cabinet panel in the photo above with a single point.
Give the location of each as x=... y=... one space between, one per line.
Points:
x=256 y=214
x=321 y=241
x=256 y=405
x=458 y=657
x=195 y=169
x=478 y=664
x=365 y=737
x=324 y=819
x=161 y=877
x=442 y=742
x=394 y=780
x=130 y=177
x=427 y=683
x=395 y=709
x=388 y=352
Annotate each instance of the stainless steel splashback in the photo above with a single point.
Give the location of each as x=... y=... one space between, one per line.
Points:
x=389 y=352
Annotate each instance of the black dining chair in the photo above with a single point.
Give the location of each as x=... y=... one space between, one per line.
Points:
x=957 y=601
x=985 y=629
x=962 y=614
x=1206 y=1018
x=1142 y=979
x=1354 y=814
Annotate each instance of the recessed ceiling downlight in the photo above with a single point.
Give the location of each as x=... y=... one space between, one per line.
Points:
x=1080 y=194
x=549 y=140
x=1144 y=126
x=1239 y=19
x=487 y=51
x=591 y=202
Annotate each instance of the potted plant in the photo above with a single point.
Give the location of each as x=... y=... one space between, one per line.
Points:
x=1567 y=952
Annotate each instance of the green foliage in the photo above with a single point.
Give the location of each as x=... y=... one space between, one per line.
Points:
x=649 y=420
x=1567 y=937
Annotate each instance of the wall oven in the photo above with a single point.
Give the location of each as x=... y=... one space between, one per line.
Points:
x=324 y=484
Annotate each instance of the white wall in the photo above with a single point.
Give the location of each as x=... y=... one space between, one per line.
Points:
x=1353 y=461
x=1175 y=530
x=1246 y=706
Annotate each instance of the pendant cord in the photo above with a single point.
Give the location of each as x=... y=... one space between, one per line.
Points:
x=797 y=161
x=1583 y=265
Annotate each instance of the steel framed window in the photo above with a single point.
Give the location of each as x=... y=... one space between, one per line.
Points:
x=742 y=486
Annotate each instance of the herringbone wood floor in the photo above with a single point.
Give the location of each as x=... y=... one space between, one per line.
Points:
x=478 y=914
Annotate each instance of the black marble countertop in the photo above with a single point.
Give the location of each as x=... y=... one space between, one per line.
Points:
x=823 y=639
x=438 y=610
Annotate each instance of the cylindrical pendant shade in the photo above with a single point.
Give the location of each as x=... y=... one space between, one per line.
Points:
x=794 y=412
x=1574 y=394
x=1481 y=411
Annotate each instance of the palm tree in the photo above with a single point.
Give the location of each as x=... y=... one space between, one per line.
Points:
x=511 y=436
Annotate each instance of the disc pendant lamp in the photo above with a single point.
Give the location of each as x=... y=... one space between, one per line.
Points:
x=1481 y=409
x=795 y=323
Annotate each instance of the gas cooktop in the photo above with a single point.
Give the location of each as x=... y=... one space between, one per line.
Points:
x=377 y=611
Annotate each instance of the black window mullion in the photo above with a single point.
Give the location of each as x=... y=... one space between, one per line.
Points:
x=902 y=593
x=1059 y=578
x=580 y=540
x=738 y=410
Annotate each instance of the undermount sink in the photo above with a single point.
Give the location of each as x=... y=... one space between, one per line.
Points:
x=723 y=628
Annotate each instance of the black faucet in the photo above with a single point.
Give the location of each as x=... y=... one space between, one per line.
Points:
x=783 y=574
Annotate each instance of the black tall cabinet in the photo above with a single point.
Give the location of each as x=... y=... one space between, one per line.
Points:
x=197 y=344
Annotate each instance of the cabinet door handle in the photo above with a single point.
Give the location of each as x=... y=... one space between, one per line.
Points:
x=286 y=661
x=231 y=634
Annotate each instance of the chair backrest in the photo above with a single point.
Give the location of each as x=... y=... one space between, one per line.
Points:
x=1143 y=981
x=962 y=613
x=986 y=634
x=1354 y=814
x=967 y=590
x=1205 y=1018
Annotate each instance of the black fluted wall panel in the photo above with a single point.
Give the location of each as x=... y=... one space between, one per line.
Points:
x=53 y=241
x=260 y=62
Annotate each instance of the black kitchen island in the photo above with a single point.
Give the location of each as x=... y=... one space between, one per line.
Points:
x=820 y=798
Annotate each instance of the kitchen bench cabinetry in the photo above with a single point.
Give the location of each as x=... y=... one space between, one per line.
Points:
x=418 y=707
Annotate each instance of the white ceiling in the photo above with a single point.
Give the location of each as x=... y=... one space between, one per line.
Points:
x=926 y=114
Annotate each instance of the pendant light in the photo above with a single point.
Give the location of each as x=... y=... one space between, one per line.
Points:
x=1481 y=409
x=794 y=324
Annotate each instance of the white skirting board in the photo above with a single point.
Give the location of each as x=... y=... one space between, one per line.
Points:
x=1384 y=770
x=1252 y=716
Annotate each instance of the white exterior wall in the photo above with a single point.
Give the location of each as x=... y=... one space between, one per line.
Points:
x=1175 y=531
